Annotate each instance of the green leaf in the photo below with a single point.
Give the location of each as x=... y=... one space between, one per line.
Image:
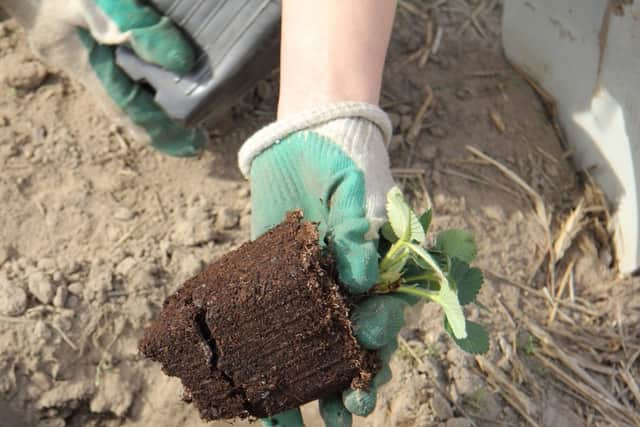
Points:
x=425 y=261
x=402 y=219
x=425 y=219
x=447 y=296
x=457 y=243
x=444 y=262
x=397 y=263
x=448 y=300
x=387 y=233
x=477 y=340
x=468 y=280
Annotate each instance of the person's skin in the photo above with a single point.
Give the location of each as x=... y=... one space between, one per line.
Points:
x=332 y=51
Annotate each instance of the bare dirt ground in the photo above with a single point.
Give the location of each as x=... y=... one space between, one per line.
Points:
x=96 y=231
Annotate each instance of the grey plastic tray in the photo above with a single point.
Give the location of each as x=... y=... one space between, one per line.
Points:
x=238 y=42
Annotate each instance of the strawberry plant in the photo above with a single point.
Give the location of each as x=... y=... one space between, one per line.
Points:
x=273 y=311
x=440 y=273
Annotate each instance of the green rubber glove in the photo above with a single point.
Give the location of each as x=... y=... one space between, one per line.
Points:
x=61 y=31
x=332 y=164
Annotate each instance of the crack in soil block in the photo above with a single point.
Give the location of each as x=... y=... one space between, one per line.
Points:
x=263 y=329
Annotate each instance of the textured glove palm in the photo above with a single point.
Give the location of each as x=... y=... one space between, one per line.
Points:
x=332 y=164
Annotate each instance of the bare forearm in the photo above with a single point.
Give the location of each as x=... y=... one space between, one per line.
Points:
x=332 y=50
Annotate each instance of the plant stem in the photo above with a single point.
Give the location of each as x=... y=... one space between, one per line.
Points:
x=421 y=278
x=429 y=260
x=390 y=257
x=415 y=291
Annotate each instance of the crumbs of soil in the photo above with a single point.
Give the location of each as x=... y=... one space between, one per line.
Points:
x=262 y=330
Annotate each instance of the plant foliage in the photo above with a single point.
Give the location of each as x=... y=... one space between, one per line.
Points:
x=441 y=273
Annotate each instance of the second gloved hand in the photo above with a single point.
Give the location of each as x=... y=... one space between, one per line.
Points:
x=80 y=37
x=332 y=163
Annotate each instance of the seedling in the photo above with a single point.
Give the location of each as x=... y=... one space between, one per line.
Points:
x=440 y=273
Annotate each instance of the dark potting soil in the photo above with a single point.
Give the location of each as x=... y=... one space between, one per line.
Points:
x=262 y=330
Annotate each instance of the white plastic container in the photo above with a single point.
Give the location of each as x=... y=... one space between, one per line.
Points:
x=588 y=58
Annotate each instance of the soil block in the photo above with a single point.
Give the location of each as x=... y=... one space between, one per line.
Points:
x=261 y=330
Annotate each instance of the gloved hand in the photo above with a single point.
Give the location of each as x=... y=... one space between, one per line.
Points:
x=80 y=36
x=332 y=163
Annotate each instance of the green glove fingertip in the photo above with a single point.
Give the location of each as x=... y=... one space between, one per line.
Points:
x=360 y=402
x=164 y=45
x=153 y=37
x=377 y=320
x=290 y=418
x=166 y=135
x=334 y=413
x=357 y=263
x=363 y=402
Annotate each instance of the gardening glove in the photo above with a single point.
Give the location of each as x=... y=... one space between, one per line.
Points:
x=332 y=163
x=80 y=37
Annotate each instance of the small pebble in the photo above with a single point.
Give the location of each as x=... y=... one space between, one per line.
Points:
x=494 y=212
x=441 y=407
x=123 y=214
x=41 y=287
x=190 y=265
x=28 y=77
x=40 y=380
x=24 y=263
x=244 y=192
x=57 y=276
x=100 y=281
x=60 y=298
x=141 y=278
x=190 y=233
x=47 y=264
x=75 y=288
x=113 y=233
x=68 y=267
x=198 y=212
x=13 y=300
x=72 y=301
x=125 y=266
x=228 y=218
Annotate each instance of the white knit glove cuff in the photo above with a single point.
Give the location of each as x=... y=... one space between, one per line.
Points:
x=361 y=130
x=306 y=120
